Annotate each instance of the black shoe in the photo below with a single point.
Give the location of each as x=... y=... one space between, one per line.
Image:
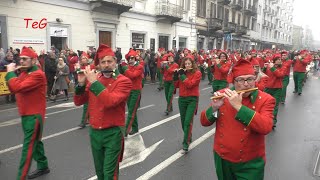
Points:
x=66 y=99
x=294 y=91
x=274 y=127
x=38 y=173
x=299 y=94
x=82 y=125
x=282 y=102
x=133 y=132
x=209 y=83
x=166 y=112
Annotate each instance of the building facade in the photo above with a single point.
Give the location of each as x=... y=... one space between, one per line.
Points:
x=297 y=37
x=80 y=24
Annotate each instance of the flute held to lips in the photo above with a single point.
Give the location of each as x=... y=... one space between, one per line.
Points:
x=96 y=71
x=242 y=91
x=19 y=67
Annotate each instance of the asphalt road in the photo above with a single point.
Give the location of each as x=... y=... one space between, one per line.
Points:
x=292 y=149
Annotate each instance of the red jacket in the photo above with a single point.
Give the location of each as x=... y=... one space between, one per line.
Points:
x=30 y=89
x=275 y=76
x=201 y=59
x=135 y=74
x=107 y=99
x=159 y=60
x=300 y=65
x=189 y=84
x=169 y=70
x=240 y=136
x=287 y=63
x=72 y=60
x=220 y=71
x=261 y=85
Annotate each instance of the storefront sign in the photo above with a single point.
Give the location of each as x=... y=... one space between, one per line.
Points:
x=59 y=31
x=3 y=84
x=27 y=41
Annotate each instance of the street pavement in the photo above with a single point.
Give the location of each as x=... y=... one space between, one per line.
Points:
x=154 y=153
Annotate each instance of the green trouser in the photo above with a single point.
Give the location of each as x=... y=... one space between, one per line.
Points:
x=133 y=103
x=84 y=114
x=276 y=93
x=168 y=91
x=32 y=126
x=285 y=83
x=209 y=74
x=298 y=78
x=107 y=149
x=251 y=170
x=187 y=108
x=160 y=77
x=219 y=84
x=202 y=72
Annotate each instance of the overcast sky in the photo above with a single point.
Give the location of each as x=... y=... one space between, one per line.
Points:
x=307 y=12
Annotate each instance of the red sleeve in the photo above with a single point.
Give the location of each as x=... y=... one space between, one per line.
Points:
x=119 y=94
x=280 y=72
x=190 y=83
x=224 y=68
x=173 y=67
x=134 y=73
x=261 y=85
x=32 y=81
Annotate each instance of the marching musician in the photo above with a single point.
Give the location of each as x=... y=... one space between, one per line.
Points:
x=84 y=62
x=276 y=72
x=201 y=59
x=134 y=71
x=209 y=62
x=30 y=86
x=189 y=79
x=169 y=66
x=106 y=94
x=261 y=78
x=161 y=54
x=299 y=69
x=285 y=62
x=220 y=71
x=242 y=121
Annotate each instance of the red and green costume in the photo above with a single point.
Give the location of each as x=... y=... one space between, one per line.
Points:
x=239 y=141
x=106 y=98
x=274 y=86
x=220 y=73
x=168 y=72
x=209 y=73
x=287 y=63
x=30 y=86
x=188 y=103
x=135 y=74
x=299 y=70
x=201 y=60
x=159 y=71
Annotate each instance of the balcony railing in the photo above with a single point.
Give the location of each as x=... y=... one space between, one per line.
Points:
x=225 y=2
x=229 y=27
x=214 y=24
x=169 y=11
x=121 y=5
x=237 y=4
x=241 y=30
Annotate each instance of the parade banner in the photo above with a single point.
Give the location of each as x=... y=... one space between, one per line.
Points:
x=3 y=85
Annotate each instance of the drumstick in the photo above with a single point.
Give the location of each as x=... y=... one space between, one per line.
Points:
x=242 y=91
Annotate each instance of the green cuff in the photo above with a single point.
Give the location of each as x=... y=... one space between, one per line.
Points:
x=245 y=115
x=183 y=77
x=97 y=88
x=210 y=116
x=79 y=90
x=273 y=69
x=219 y=66
x=10 y=75
x=124 y=68
x=167 y=67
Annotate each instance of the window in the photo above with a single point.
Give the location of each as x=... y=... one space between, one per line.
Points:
x=248 y=22
x=213 y=10
x=220 y=12
x=185 y=4
x=233 y=16
x=201 y=8
x=226 y=15
x=138 y=41
x=239 y=19
x=244 y=20
x=182 y=43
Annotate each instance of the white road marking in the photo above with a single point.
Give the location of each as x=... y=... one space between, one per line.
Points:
x=58 y=134
x=174 y=157
x=159 y=123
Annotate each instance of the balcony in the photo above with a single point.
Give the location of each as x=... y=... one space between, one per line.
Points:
x=214 y=24
x=254 y=11
x=166 y=11
x=237 y=4
x=224 y=2
x=102 y=5
x=229 y=27
x=247 y=9
x=241 y=30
